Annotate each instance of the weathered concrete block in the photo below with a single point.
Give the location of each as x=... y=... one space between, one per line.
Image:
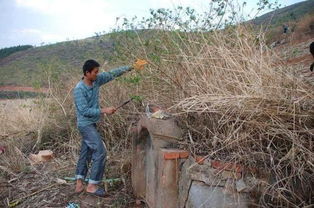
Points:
x=138 y=173
x=204 y=196
x=154 y=169
x=222 y=180
x=168 y=176
x=184 y=182
x=161 y=129
x=165 y=178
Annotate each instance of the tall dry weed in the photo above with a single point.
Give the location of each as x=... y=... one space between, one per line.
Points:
x=234 y=102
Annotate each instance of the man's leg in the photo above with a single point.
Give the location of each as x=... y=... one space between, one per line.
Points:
x=94 y=142
x=82 y=164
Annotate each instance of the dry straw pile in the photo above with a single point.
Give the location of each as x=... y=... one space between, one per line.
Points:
x=234 y=102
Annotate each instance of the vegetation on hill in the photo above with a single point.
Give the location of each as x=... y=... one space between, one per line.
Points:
x=4 y=52
x=287 y=14
x=65 y=57
x=27 y=69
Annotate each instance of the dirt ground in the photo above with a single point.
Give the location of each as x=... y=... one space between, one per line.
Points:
x=23 y=89
x=26 y=184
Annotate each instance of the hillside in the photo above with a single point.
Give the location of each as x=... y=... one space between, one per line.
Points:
x=8 y=51
x=25 y=68
x=283 y=15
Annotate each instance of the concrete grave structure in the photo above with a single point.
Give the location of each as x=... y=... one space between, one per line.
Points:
x=166 y=177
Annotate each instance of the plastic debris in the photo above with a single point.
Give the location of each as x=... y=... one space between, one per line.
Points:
x=160 y=115
x=109 y=180
x=72 y=205
x=154 y=111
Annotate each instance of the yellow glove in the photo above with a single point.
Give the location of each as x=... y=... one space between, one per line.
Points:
x=140 y=64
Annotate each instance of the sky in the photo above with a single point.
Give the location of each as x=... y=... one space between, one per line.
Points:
x=37 y=22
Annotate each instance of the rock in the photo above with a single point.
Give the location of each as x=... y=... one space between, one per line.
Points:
x=61 y=181
x=202 y=195
x=224 y=174
x=273 y=45
x=240 y=185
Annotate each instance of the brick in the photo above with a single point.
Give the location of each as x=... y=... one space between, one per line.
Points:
x=226 y=166
x=200 y=159
x=184 y=154
x=45 y=155
x=171 y=154
x=42 y=156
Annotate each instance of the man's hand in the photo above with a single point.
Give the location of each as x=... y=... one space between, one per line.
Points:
x=109 y=110
x=139 y=64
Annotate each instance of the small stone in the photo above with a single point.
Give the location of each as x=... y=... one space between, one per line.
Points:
x=240 y=185
x=61 y=181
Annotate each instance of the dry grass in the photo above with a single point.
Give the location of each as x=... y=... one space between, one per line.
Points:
x=21 y=116
x=234 y=104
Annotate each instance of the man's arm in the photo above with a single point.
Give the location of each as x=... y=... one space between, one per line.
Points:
x=105 y=77
x=82 y=105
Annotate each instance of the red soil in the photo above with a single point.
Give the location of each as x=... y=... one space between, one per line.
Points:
x=24 y=89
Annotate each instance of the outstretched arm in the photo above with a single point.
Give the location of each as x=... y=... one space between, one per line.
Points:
x=105 y=77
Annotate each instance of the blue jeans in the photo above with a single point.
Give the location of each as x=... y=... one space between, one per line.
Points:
x=92 y=149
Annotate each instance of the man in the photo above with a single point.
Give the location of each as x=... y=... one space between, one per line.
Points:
x=88 y=111
x=312 y=52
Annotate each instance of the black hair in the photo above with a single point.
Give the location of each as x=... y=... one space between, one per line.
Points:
x=89 y=65
x=312 y=48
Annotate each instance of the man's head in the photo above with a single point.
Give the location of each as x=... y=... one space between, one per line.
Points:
x=91 y=69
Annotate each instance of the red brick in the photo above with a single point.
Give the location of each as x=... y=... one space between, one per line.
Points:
x=200 y=159
x=184 y=154
x=171 y=154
